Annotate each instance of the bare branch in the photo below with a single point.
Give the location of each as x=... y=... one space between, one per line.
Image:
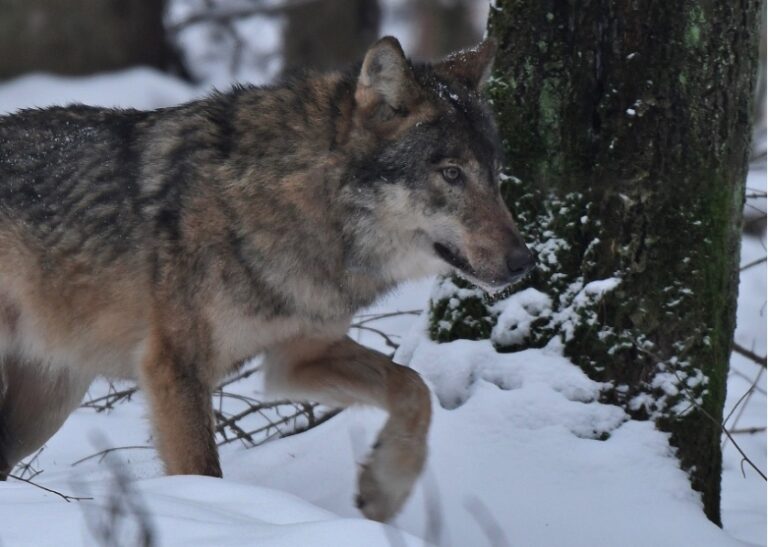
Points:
x=745 y=396
x=108 y=401
x=753 y=263
x=239 y=376
x=755 y=208
x=239 y=433
x=722 y=427
x=751 y=355
x=733 y=442
x=317 y=421
x=697 y=406
x=65 y=497
x=387 y=338
x=748 y=430
x=740 y=374
x=223 y=422
x=265 y=429
x=101 y=454
x=26 y=468
x=368 y=317
x=303 y=410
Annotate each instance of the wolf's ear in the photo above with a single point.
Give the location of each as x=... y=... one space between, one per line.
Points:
x=385 y=76
x=470 y=66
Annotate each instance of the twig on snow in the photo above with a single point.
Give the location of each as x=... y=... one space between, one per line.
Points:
x=101 y=454
x=26 y=468
x=65 y=497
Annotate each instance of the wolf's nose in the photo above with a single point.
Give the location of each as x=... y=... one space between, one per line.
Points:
x=520 y=262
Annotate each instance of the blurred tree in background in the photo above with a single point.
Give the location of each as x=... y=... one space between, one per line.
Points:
x=82 y=36
x=443 y=27
x=327 y=34
x=239 y=36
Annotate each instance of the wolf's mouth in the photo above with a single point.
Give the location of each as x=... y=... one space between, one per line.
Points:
x=453 y=258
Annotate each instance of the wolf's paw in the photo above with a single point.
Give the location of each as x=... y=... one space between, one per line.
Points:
x=387 y=478
x=377 y=499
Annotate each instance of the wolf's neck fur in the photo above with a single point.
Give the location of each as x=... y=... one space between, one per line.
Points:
x=287 y=197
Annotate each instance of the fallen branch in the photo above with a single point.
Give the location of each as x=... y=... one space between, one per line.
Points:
x=265 y=429
x=101 y=454
x=387 y=339
x=239 y=433
x=317 y=421
x=223 y=422
x=108 y=401
x=368 y=317
x=245 y=373
x=65 y=497
x=305 y=410
x=26 y=468
x=748 y=430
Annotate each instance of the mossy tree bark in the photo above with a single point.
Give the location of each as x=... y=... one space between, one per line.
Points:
x=626 y=127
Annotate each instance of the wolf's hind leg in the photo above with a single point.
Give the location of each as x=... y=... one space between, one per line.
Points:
x=344 y=373
x=34 y=402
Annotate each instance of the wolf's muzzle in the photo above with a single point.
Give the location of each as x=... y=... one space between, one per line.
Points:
x=519 y=262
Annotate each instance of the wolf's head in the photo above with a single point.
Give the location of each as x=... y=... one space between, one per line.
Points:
x=430 y=180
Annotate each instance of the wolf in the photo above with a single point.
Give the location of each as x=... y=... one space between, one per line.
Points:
x=170 y=246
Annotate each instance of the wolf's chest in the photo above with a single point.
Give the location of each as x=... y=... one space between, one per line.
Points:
x=238 y=334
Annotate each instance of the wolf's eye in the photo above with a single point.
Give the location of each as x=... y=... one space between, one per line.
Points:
x=451 y=173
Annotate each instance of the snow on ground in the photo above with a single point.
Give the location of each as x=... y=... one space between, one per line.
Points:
x=515 y=452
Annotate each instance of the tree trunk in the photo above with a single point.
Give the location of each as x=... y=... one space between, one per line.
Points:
x=626 y=127
x=443 y=27
x=81 y=36
x=329 y=34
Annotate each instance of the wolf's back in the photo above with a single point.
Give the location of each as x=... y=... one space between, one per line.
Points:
x=70 y=176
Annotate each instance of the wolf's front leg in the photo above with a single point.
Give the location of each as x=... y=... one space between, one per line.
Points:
x=180 y=402
x=343 y=373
